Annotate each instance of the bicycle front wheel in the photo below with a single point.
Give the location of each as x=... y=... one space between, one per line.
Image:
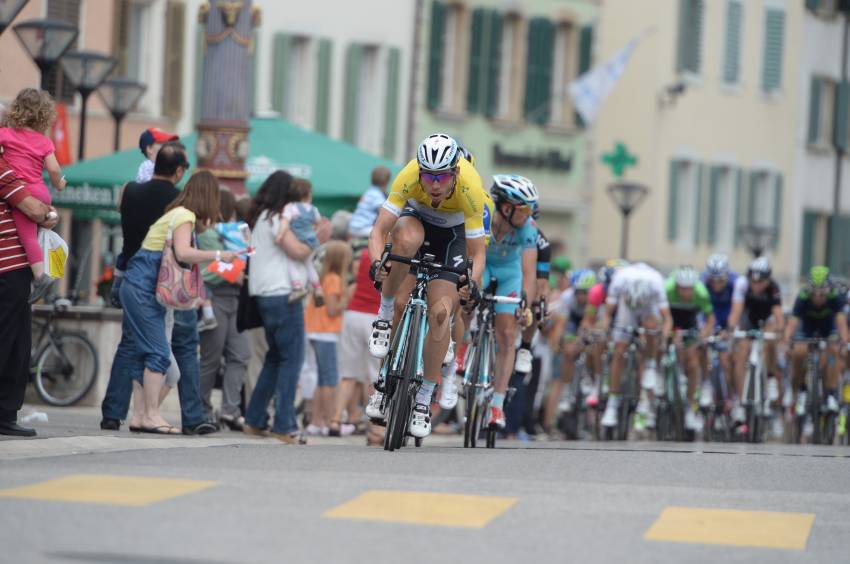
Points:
x=66 y=369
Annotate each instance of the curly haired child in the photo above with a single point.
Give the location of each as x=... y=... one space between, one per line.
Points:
x=29 y=152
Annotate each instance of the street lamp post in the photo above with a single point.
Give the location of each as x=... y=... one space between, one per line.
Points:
x=9 y=9
x=626 y=196
x=120 y=95
x=87 y=70
x=757 y=238
x=45 y=41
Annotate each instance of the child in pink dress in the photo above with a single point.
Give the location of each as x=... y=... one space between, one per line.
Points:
x=29 y=152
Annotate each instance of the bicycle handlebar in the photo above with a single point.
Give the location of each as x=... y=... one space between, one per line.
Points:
x=755 y=334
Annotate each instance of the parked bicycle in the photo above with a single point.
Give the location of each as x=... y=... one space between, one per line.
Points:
x=402 y=369
x=63 y=363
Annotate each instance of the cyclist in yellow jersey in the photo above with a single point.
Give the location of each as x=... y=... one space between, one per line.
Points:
x=435 y=205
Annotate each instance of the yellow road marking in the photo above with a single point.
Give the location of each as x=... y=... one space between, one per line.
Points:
x=765 y=529
x=114 y=490
x=420 y=508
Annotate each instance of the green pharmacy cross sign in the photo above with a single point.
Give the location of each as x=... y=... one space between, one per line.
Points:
x=619 y=159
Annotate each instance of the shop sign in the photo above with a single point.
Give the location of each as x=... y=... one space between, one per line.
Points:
x=551 y=159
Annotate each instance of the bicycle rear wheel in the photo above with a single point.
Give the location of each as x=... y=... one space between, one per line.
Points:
x=65 y=370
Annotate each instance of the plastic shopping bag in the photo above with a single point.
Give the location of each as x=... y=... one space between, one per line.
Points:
x=55 y=251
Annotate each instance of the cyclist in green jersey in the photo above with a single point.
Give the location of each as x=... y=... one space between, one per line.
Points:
x=689 y=299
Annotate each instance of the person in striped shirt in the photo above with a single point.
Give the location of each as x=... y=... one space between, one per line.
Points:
x=15 y=312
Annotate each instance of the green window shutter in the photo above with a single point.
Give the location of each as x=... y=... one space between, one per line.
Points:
x=689 y=56
x=353 y=58
x=810 y=221
x=698 y=207
x=323 y=87
x=814 y=110
x=476 y=80
x=494 y=61
x=391 y=114
x=532 y=67
x=713 y=202
x=777 y=208
x=280 y=57
x=774 y=39
x=585 y=60
x=732 y=52
x=842 y=115
x=673 y=201
x=538 y=84
x=547 y=60
x=435 y=55
x=740 y=202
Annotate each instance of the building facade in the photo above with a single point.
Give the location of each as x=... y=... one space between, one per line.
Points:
x=822 y=139
x=708 y=104
x=494 y=75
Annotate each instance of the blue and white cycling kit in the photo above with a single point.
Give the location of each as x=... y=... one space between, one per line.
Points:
x=504 y=262
x=721 y=301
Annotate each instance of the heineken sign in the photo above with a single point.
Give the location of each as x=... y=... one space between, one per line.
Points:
x=90 y=202
x=551 y=159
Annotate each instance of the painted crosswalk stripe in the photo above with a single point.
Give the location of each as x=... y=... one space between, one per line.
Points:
x=424 y=508
x=112 y=490
x=766 y=529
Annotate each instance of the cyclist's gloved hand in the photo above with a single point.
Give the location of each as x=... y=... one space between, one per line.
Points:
x=469 y=293
x=378 y=274
x=114 y=292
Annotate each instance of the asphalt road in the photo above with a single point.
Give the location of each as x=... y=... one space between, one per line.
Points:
x=81 y=495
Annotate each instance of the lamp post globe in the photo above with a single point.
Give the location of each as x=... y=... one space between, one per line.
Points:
x=9 y=9
x=45 y=41
x=120 y=95
x=626 y=196
x=87 y=70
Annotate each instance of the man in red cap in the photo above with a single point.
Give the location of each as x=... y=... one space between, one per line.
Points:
x=150 y=142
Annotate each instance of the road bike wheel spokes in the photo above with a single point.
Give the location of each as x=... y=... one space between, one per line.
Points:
x=65 y=370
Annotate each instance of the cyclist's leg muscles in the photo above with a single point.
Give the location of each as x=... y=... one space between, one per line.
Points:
x=690 y=355
x=833 y=369
x=506 y=330
x=407 y=236
x=742 y=354
x=442 y=300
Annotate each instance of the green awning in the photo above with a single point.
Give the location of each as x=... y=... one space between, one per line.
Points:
x=339 y=172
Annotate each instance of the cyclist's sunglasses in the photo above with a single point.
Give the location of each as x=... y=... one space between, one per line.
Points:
x=436 y=177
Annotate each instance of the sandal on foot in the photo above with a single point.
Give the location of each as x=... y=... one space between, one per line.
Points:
x=161 y=430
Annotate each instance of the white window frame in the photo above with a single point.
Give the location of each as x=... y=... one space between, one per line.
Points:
x=508 y=66
x=686 y=205
x=451 y=43
x=371 y=99
x=826 y=121
x=724 y=229
x=301 y=69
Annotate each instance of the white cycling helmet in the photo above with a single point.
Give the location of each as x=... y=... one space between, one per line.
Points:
x=686 y=277
x=638 y=294
x=514 y=189
x=717 y=265
x=437 y=152
x=759 y=269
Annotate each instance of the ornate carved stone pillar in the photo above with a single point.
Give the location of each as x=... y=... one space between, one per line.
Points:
x=226 y=96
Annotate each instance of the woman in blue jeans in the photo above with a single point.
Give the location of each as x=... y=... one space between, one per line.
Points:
x=269 y=281
x=196 y=206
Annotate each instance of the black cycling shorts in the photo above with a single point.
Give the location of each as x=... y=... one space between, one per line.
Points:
x=447 y=244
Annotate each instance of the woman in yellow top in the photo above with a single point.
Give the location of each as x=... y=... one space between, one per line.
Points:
x=144 y=318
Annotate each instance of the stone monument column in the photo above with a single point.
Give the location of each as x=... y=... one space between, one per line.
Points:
x=226 y=96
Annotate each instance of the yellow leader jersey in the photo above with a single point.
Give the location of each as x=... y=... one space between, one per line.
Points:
x=465 y=206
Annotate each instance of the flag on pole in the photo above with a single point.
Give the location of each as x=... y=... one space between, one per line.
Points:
x=592 y=88
x=59 y=135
